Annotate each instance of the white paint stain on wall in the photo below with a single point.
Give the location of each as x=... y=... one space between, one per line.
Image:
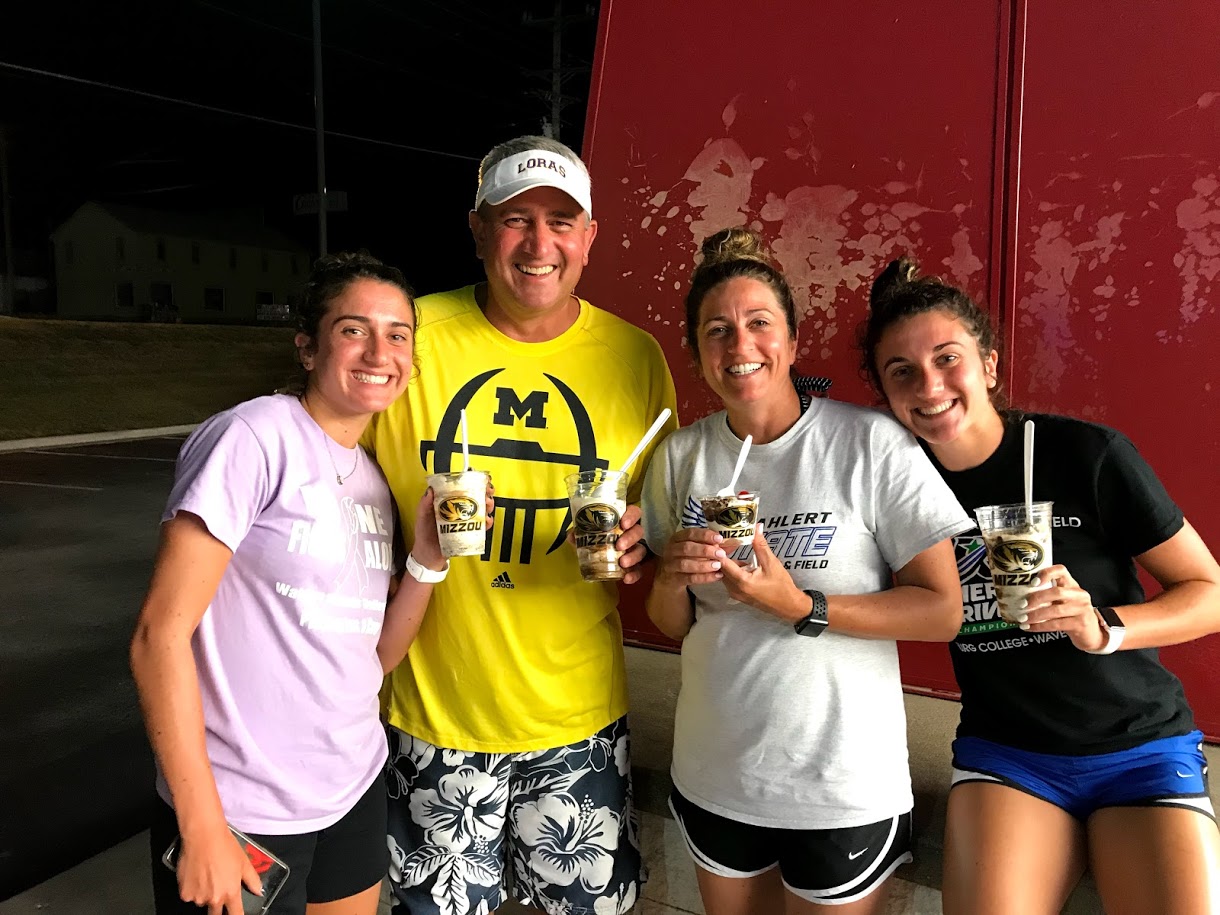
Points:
x=723 y=178
x=830 y=240
x=729 y=114
x=962 y=263
x=1198 y=261
x=1077 y=258
x=1061 y=249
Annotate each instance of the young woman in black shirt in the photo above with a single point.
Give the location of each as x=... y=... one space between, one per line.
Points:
x=1076 y=746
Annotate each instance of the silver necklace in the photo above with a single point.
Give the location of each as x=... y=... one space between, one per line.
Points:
x=339 y=478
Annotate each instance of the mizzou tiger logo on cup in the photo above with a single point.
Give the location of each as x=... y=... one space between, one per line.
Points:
x=735 y=516
x=457 y=508
x=596 y=517
x=1012 y=556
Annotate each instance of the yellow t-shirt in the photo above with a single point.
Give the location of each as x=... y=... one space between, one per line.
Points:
x=516 y=652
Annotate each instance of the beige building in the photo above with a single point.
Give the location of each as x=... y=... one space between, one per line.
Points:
x=126 y=263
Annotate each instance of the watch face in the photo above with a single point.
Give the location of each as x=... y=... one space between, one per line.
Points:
x=816 y=621
x=811 y=627
x=1111 y=619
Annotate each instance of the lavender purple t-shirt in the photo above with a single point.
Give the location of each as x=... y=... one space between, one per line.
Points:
x=286 y=651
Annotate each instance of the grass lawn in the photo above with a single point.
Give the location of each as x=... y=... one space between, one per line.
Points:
x=61 y=377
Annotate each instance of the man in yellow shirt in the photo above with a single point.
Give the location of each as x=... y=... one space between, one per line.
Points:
x=508 y=730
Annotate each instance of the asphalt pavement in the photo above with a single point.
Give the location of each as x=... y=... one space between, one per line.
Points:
x=78 y=530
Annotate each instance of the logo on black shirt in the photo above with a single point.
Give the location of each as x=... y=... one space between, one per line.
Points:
x=979 y=611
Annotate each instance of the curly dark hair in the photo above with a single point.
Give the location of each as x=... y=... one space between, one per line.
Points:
x=900 y=292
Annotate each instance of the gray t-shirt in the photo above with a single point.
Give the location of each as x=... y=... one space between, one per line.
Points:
x=774 y=728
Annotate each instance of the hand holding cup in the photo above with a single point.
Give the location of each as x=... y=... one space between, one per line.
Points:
x=693 y=556
x=766 y=585
x=460 y=504
x=1060 y=605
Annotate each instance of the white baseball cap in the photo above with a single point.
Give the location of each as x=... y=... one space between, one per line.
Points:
x=530 y=169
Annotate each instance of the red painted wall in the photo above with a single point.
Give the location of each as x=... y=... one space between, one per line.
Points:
x=1061 y=167
x=1116 y=251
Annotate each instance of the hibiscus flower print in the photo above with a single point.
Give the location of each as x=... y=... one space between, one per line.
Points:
x=618 y=903
x=453 y=758
x=454 y=872
x=594 y=753
x=622 y=755
x=568 y=840
x=408 y=757
x=467 y=808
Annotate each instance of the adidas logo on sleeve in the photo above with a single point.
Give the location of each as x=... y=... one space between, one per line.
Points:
x=502 y=581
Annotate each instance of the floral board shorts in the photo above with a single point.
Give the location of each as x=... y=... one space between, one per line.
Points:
x=555 y=828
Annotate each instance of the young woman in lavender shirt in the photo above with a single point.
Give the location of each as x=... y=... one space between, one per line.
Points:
x=263 y=639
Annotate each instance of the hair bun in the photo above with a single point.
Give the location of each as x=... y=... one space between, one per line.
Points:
x=734 y=244
x=897 y=274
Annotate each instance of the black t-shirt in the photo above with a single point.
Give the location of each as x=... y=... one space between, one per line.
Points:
x=1036 y=691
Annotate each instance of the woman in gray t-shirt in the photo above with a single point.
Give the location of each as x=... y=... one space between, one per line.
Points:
x=790 y=758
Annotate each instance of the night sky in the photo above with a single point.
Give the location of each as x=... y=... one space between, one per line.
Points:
x=423 y=88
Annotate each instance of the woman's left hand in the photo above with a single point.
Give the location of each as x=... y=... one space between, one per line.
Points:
x=1063 y=607
x=767 y=586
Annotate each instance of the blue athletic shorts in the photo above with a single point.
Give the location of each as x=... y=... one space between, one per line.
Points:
x=1169 y=772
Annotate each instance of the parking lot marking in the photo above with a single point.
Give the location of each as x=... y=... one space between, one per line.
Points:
x=50 y=485
x=113 y=457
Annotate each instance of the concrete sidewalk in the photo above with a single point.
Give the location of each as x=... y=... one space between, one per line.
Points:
x=116 y=882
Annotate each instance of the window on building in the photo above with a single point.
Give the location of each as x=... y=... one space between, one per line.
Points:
x=120 y=249
x=265 y=307
x=160 y=249
x=232 y=258
x=124 y=295
x=195 y=252
x=69 y=253
x=265 y=261
x=214 y=298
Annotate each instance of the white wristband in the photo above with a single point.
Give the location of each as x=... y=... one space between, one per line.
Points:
x=1114 y=637
x=423 y=574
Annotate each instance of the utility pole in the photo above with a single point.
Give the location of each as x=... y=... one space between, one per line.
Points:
x=319 y=134
x=558 y=74
x=557 y=68
x=8 y=295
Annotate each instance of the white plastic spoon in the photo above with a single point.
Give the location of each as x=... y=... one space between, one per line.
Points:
x=731 y=489
x=1029 y=471
x=643 y=443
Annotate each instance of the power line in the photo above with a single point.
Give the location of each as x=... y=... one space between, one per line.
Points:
x=491 y=30
x=448 y=9
x=212 y=109
x=377 y=62
x=306 y=38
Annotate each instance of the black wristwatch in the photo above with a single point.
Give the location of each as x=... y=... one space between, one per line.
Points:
x=814 y=624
